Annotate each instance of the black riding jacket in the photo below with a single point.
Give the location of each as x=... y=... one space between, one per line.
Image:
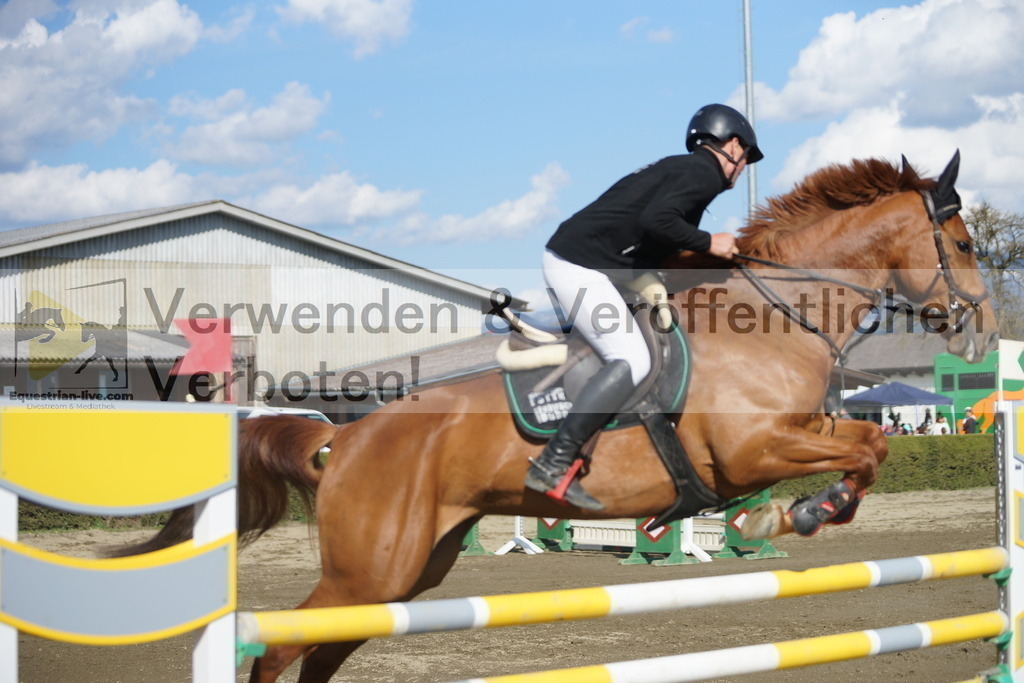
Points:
x=645 y=216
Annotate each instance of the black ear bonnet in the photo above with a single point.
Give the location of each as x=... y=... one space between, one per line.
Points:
x=944 y=196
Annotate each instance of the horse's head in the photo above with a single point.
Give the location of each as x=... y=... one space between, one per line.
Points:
x=936 y=266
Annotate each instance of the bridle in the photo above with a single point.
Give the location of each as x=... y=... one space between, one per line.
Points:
x=961 y=312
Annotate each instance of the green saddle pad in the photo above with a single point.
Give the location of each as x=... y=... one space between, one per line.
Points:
x=539 y=413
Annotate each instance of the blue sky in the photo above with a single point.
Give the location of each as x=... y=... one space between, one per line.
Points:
x=457 y=134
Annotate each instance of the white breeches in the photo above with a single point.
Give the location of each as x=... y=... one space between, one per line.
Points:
x=594 y=306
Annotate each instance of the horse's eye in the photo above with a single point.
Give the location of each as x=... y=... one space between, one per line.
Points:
x=964 y=246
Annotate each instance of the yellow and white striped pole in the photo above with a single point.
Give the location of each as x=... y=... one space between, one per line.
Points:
x=791 y=654
x=334 y=624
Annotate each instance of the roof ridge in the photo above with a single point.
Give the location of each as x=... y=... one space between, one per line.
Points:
x=16 y=236
x=21 y=240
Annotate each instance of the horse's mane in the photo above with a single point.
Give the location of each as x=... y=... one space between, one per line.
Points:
x=832 y=188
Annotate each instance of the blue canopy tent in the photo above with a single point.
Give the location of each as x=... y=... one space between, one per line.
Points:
x=897 y=394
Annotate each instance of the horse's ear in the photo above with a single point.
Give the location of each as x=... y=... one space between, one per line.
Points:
x=947 y=201
x=948 y=177
x=908 y=170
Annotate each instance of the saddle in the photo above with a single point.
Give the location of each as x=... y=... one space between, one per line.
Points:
x=545 y=370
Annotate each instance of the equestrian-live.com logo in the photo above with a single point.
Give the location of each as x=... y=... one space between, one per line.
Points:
x=73 y=340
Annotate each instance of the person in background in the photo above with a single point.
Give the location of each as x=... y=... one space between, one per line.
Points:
x=939 y=427
x=970 y=425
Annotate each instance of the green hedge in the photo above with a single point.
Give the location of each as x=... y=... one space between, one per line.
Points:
x=918 y=463
x=33 y=517
x=915 y=463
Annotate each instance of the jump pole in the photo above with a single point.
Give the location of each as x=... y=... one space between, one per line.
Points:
x=699 y=666
x=360 y=622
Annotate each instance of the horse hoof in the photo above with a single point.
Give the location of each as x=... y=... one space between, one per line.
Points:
x=764 y=521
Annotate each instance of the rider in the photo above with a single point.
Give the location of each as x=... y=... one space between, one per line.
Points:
x=632 y=227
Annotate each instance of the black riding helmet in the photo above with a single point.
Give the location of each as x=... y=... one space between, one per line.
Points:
x=719 y=123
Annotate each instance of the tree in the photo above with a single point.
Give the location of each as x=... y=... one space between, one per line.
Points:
x=999 y=244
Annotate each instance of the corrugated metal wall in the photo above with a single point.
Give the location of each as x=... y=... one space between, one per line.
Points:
x=309 y=308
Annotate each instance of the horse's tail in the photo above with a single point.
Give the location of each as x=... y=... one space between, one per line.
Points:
x=273 y=452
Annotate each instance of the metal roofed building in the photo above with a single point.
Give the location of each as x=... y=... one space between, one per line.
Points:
x=907 y=357
x=309 y=303
x=351 y=392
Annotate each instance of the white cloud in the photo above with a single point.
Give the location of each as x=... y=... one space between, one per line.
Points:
x=661 y=35
x=42 y=194
x=236 y=26
x=52 y=193
x=538 y=298
x=237 y=133
x=155 y=31
x=333 y=199
x=937 y=53
x=340 y=199
x=62 y=87
x=208 y=109
x=992 y=148
x=921 y=80
x=634 y=27
x=15 y=14
x=733 y=224
x=510 y=218
x=368 y=23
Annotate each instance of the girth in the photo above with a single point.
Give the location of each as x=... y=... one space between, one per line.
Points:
x=692 y=495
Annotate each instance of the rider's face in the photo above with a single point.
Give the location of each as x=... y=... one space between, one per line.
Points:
x=734 y=148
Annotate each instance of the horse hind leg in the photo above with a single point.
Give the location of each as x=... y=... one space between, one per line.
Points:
x=321 y=661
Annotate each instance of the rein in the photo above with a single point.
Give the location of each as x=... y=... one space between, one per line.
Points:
x=875 y=295
x=962 y=313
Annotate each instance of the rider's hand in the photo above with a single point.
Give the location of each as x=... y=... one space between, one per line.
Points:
x=723 y=245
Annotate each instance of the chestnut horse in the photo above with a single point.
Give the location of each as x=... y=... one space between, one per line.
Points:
x=404 y=484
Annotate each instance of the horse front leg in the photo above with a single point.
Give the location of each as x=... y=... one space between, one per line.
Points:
x=854 y=447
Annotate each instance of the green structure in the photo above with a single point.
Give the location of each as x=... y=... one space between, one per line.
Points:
x=979 y=385
x=553 y=534
x=735 y=545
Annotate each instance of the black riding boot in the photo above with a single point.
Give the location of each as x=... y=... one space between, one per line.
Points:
x=601 y=398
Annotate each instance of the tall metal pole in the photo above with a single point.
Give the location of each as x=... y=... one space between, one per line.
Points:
x=749 y=68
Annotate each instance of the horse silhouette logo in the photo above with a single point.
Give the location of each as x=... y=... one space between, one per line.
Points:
x=39 y=323
x=50 y=336
x=108 y=343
